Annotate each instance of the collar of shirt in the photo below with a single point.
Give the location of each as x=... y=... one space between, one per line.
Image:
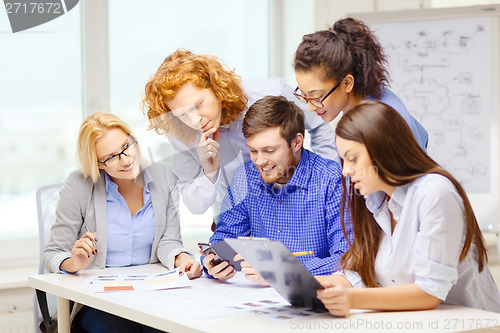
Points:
x=397 y=200
x=300 y=178
x=378 y=205
x=374 y=201
x=148 y=179
x=231 y=126
x=235 y=124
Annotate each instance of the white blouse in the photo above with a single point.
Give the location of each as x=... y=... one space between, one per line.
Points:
x=198 y=192
x=426 y=244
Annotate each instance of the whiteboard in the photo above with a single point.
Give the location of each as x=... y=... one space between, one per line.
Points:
x=444 y=65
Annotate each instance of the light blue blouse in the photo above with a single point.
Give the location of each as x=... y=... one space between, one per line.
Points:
x=130 y=238
x=389 y=98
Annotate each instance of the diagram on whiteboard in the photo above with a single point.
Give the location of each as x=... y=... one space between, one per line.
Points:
x=440 y=70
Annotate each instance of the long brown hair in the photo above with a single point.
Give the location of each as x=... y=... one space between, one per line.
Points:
x=399 y=160
x=348 y=47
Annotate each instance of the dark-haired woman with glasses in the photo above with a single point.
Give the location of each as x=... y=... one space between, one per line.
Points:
x=115 y=212
x=337 y=68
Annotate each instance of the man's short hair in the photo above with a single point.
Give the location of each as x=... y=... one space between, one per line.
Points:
x=272 y=111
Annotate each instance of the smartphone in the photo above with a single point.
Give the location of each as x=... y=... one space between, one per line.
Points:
x=207 y=249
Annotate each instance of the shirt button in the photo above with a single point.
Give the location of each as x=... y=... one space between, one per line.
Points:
x=128 y=252
x=279 y=230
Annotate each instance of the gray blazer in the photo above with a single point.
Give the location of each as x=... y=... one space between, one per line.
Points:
x=83 y=202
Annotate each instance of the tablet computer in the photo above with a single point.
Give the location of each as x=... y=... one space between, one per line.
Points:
x=281 y=269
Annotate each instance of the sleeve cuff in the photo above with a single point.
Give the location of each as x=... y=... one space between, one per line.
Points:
x=353 y=278
x=170 y=264
x=200 y=193
x=207 y=182
x=59 y=270
x=436 y=279
x=205 y=269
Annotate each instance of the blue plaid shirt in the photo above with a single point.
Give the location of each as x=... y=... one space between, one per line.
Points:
x=304 y=214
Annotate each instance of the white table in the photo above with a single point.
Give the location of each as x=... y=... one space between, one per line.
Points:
x=182 y=310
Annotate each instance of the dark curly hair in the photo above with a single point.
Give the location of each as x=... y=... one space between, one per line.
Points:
x=349 y=47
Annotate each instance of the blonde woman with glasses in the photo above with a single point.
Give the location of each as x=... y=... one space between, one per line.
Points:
x=114 y=212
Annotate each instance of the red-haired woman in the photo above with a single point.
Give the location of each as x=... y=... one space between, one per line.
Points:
x=199 y=104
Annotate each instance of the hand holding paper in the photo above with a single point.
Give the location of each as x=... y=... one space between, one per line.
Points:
x=250 y=273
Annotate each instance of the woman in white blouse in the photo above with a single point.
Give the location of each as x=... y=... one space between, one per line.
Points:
x=416 y=239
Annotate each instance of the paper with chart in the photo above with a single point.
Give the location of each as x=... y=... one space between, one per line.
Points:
x=209 y=299
x=137 y=282
x=441 y=71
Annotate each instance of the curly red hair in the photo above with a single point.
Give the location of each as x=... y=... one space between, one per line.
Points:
x=203 y=71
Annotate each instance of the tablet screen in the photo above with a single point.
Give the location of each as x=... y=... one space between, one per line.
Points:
x=281 y=269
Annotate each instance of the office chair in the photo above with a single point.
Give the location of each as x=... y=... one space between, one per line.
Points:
x=46 y=201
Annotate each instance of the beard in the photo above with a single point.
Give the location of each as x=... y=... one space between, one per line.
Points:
x=282 y=172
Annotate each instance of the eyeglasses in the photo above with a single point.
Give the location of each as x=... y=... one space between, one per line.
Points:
x=115 y=158
x=317 y=102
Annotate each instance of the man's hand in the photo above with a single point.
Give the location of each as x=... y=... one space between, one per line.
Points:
x=221 y=271
x=250 y=273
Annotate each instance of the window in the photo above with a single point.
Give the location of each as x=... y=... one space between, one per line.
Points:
x=40 y=109
x=143 y=34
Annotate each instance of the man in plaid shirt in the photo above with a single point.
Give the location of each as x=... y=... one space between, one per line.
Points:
x=285 y=193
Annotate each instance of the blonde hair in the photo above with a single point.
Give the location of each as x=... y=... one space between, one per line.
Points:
x=93 y=128
x=203 y=71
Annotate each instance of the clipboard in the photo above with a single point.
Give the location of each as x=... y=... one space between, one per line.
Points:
x=281 y=269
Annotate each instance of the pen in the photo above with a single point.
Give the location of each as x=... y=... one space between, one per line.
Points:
x=93 y=240
x=303 y=253
x=87 y=229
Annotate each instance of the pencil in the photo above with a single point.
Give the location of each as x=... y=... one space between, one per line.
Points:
x=303 y=253
x=87 y=228
x=93 y=240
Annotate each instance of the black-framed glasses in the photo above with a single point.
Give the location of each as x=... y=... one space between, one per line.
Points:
x=317 y=102
x=115 y=158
